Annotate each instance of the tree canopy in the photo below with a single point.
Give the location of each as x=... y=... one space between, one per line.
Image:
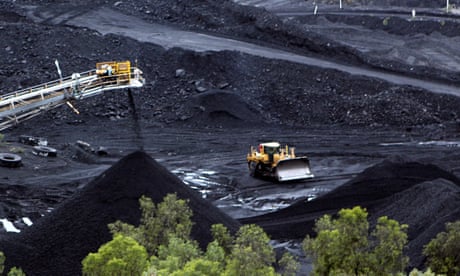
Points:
x=443 y=252
x=171 y=217
x=345 y=246
x=161 y=245
x=121 y=256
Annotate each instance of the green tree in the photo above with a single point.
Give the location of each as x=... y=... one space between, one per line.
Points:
x=16 y=271
x=222 y=236
x=2 y=262
x=215 y=253
x=251 y=253
x=387 y=255
x=341 y=245
x=443 y=252
x=289 y=265
x=120 y=256
x=173 y=256
x=183 y=257
x=344 y=246
x=164 y=232
x=172 y=217
x=199 y=267
x=416 y=272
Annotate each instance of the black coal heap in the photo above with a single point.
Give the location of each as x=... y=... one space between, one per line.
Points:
x=423 y=196
x=56 y=244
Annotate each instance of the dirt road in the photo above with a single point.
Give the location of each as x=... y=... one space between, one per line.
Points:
x=108 y=21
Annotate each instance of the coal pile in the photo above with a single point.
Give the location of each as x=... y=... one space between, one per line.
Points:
x=421 y=195
x=426 y=208
x=219 y=107
x=57 y=243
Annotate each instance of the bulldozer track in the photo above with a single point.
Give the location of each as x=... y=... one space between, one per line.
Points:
x=296 y=184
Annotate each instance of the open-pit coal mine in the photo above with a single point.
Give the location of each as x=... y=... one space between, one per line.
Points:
x=370 y=93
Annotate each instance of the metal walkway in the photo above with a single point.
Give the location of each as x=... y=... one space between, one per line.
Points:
x=27 y=103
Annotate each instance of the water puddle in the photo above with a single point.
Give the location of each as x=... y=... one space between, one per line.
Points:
x=258 y=202
x=27 y=221
x=239 y=202
x=449 y=144
x=207 y=182
x=9 y=226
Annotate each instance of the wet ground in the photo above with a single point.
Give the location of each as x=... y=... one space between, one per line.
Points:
x=213 y=162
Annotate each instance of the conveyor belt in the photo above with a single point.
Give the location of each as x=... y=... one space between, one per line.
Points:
x=27 y=103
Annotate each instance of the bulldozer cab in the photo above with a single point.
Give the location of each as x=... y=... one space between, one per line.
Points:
x=270 y=149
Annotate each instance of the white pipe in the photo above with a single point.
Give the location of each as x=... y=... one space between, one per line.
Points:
x=340 y=5
x=447 y=5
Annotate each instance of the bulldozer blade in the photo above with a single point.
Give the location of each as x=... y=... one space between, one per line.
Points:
x=293 y=169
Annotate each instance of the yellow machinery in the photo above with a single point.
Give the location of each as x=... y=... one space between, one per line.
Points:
x=117 y=70
x=27 y=103
x=273 y=161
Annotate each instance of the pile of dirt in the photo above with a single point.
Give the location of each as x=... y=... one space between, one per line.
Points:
x=57 y=243
x=393 y=24
x=426 y=208
x=407 y=29
x=219 y=107
x=420 y=195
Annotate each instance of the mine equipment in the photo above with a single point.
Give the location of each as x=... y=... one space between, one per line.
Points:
x=10 y=160
x=44 y=151
x=270 y=160
x=27 y=103
x=100 y=151
x=32 y=140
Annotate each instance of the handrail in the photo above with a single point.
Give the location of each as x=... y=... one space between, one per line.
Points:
x=41 y=86
x=26 y=103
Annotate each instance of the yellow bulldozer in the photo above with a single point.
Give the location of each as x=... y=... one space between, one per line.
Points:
x=270 y=160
